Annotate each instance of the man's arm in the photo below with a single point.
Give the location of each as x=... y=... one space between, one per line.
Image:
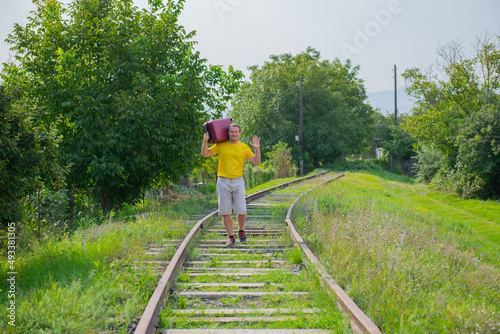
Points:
x=205 y=151
x=255 y=159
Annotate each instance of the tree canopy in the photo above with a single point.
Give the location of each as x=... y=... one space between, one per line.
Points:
x=391 y=136
x=124 y=88
x=457 y=113
x=336 y=118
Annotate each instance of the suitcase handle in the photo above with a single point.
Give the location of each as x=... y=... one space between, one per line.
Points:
x=207 y=129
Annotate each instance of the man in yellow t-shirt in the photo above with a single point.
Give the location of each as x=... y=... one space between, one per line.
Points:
x=230 y=183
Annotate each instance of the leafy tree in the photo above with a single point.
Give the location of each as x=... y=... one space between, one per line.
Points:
x=400 y=143
x=428 y=164
x=124 y=86
x=381 y=127
x=392 y=137
x=477 y=167
x=336 y=119
x=457 y=115
x=27 y=155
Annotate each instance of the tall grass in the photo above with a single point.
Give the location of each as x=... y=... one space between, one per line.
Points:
x=412 y=267
x=90 y=280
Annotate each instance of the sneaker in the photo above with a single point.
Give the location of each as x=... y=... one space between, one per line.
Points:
x=231 y=241
x=243 y=237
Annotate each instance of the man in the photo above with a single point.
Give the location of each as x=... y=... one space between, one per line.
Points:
x=230 y=183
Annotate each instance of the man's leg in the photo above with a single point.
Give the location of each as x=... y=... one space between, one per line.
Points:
x=241 y=225
x=241 y=221
x=228 y=224
x=225 y=203
x=239 y=206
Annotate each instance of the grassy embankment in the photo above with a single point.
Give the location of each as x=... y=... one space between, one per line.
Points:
x=90 y=280
x=416 y=261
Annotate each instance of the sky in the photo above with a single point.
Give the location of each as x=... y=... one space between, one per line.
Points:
x=374 y=34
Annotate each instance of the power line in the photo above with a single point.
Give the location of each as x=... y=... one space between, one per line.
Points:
x=377 y=75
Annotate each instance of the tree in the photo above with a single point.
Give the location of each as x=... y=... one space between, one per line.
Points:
x=124 y=86
x=392 y=137
x=27 y=155
x=456 y=114
x=476 y=172
x=400 y=144
x=428 y=164
x=336 y=119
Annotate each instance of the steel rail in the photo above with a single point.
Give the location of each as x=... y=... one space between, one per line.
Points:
x=360 y=322
x=149 y=320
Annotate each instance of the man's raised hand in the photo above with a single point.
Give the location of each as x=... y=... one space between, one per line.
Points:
x=255 y=159
x=256 y=142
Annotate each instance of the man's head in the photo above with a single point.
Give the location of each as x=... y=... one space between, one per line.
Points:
x=233 y=132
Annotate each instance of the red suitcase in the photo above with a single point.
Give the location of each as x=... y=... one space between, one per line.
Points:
x=217 y=129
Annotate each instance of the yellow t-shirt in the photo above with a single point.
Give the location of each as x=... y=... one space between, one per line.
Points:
x=231 y=158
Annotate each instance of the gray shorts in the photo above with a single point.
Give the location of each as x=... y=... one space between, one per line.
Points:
x=231 y=194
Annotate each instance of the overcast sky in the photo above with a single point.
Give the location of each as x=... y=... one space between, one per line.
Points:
x=374 y=34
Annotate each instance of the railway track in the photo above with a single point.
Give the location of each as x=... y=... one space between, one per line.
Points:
x=271 y=284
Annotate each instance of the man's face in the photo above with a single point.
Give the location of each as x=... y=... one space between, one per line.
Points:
x=234 y=133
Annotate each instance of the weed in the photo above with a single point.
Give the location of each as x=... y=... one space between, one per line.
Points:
x=181 y=303
x=294 y=255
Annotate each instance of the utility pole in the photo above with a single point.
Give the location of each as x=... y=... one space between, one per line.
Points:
x=395 y=97
x=389 y=158
x=301 y=134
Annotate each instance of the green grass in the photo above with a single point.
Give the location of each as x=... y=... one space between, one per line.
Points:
x=91 y=280
x=274 y=182
x=414 y=260
x=294 y=256
x=268 y=184
x=482 y=216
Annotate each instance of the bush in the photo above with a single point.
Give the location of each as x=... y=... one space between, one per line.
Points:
x=428 y=164
x=357 y=164
x=53 y=210
x=28 y=154
x=400 y=145
x=208 y=188
x=474 y=172
x=477 y=169
x=256 y=175
x=61 y=212
x=280 y=158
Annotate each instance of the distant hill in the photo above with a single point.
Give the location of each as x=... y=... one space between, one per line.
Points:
x=384 y=100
